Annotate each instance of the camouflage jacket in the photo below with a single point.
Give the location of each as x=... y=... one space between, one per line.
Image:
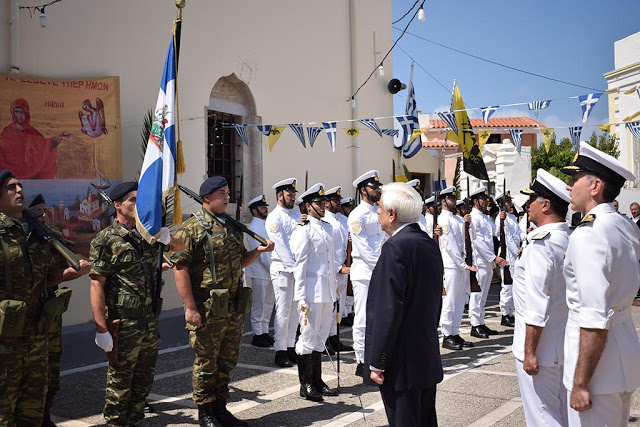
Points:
x=128 y=262
x=31 y=261
x=228 y=254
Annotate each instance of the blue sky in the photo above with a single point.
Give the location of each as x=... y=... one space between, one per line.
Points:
x=568 y=40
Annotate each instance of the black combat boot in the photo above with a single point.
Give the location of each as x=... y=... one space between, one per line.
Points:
x=316 y=361
x=305 y=373
x=291 y=353
x=282 y=359
x=224 y=417
x=205 y=416
x=337 y=345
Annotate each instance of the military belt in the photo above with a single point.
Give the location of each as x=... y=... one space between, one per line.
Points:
x=130 y=313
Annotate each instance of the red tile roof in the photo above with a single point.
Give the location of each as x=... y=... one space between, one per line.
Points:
x=496 y=122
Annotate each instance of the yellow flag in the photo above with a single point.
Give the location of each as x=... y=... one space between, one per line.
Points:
x=547 y=136
x=483 y=137
x=276 y=132
x=401 y=178
x=630 y=91
x=416 y=133
x=605 y=128
x=352 y=131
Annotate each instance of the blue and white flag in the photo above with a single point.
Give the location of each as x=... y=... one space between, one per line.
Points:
x=587 y=102
x=241 y=128
x=449 y=117
x=264 y=129
x=408 y=124
x=410 y=147
x=391 y=132
x=516 y=137
x=538 y=105
x=299 y=131
x=330 y=127
x=574 y=133
x=158 y=175
x=487 y=112
x=634 y=128
x=439 y=185
x=371 y=124
x=312 y=134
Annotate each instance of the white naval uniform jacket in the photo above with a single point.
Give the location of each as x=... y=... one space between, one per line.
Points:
x=426 y=224
x=261 y=267
x=366 y=240
x=314 y=269
x=539 y=292
x=512 y=234
x=280 y=224
x=452 y=240
x=341 y=239
x=482 y=232
x=602 y=273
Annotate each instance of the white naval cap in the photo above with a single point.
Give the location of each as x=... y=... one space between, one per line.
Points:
x=289 y=183
x=415 y=183
x=594 y=161
x=480 y=192
x=314 y=193
x=548 y=186
x=346 y=201
x=460 y=202
x=368 y=178
x=430 y=200
x=258 y=201
x=334 y=192
x=449 y=190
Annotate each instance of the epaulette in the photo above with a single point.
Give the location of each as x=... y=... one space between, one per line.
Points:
x=541 y=235
x=586 y=220
x=303 y=223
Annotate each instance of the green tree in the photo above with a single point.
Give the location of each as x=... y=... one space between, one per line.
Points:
x=562 y=154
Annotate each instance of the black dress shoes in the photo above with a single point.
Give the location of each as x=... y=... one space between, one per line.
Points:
x=462 y=341
x=347 y=321
x=506 y=321
x=478 y=332
x=268 y=338
x=488 y=330
x=291 y=353
x=282 y=359
x=449 y=342
x=359 y=369
x=260 y=341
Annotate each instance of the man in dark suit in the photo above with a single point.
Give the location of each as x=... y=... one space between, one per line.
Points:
x=635 y=213
x=402 y=352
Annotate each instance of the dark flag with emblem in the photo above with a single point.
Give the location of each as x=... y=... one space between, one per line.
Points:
x=473 y=164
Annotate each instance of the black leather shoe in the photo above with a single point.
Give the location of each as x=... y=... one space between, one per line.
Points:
x=291 y=354
x=282 y=359
x=360 y=369
x=268 y=338
x=205 y=416
x=506 y=321
x=347 y=321
x=224 y=417
x=310 y=393
x=450 y=343
x=462 y=341
x=305 y=374
x=259 y=341
x=478 y=332
x=320 y=386
x=336 y=344
x=513 y=319
x=488 y=330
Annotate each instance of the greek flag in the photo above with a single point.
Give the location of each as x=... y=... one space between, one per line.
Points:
x=241 y=128
x=516 y=137
x=634 y=128
x=299 y=131
x=574 y=133
x=330 y=127
x=312 y=134
x=264 y=129
x=158 y=175
x=391 y=132
x=587 y=102
x=371 y=124
x=487 y=112
x=449 y=117
x=410 y=147
x=538 y=105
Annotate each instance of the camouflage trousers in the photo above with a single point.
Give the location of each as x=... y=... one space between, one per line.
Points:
x=217 y=348
x=129 y=380
x=23 y=380
x=55 y=353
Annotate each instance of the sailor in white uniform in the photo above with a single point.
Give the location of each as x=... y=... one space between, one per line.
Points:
x=259 y=273
x=366 y=242
x=601 y=350
x=346 y=206
x=539 y=294
x=280 y=224
x=512 y=238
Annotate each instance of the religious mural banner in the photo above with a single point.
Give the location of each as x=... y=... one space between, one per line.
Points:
x=59 y=136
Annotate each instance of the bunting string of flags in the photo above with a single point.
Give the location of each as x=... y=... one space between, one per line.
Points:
x=264 y=129
x=574 y=132
x=312 y=134
x=371 y=124
x=330 y=127
x=537 y=106
x=449 y=117
x=587 y=102
x=634 y=128
x=516 y=137
x=299 y=131
x=241 y=128
x=487 y=112
x=547 y=138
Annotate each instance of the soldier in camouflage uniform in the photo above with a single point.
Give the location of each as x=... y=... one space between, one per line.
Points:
x=123 y=277
x=27 y=266
x=209 y=278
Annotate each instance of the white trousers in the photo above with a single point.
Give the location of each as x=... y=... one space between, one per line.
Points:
x=286 y=321
x=314 y=334
x=262 y=305
x=453 y=302
x=478 y=300
x=608 y=410
x=543 y=396
x=360 y=293
x=506 y=296
x=342 y=295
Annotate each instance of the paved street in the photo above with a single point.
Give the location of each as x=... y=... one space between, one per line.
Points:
x=480 y=387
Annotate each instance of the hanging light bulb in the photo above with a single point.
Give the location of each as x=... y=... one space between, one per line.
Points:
x=43 y=18
x=353 y=102
x=421 y=15
x=381 y=70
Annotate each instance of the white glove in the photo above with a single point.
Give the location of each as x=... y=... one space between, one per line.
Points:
x=165 y=236
x=302 y=303
x=104 y=341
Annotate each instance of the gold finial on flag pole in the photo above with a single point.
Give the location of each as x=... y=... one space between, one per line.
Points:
x=180 y=4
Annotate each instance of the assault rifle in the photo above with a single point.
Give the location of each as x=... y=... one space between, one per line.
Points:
x=236 y=224
x=503 y=238
x=473 y=279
